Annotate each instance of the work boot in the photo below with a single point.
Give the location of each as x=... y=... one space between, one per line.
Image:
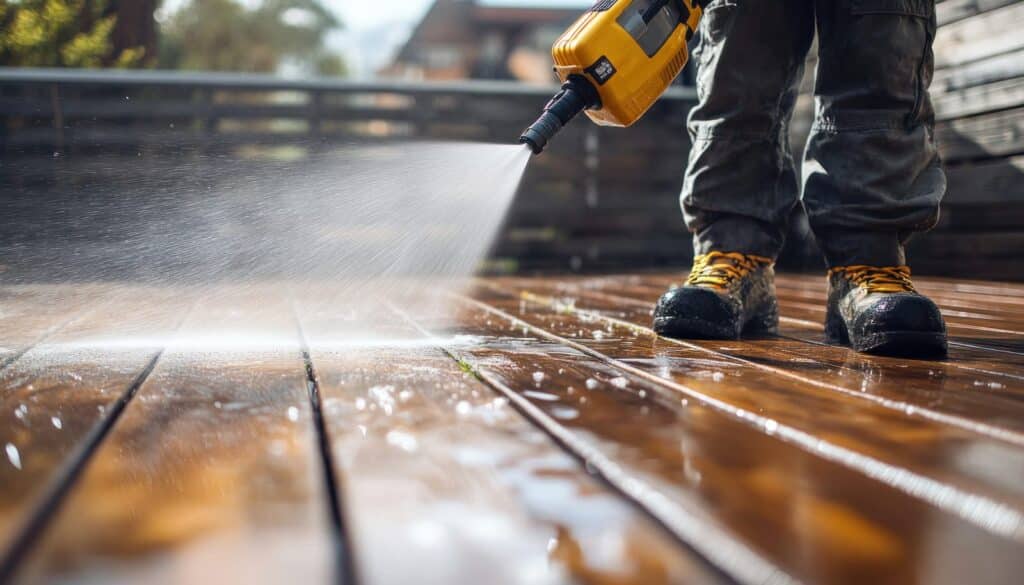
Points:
x=876 y=310
x=727 y=293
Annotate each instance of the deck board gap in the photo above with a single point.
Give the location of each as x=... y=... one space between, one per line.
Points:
x=717 y=556
x=64 y=480
x=342 y=543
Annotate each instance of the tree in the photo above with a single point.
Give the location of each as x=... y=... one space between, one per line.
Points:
x=224 y=35
x=64 y=33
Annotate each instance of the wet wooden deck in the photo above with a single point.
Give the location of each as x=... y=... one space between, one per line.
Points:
x=518 y=431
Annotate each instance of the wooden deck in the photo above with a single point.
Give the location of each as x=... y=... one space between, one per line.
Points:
x=517 y=431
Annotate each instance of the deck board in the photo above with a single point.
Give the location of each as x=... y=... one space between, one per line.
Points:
x=704 y=467
x=61 y=390
x=31 y=314
x=449 y=483
x=517 y=430
x=866 y=426
x=211 y=473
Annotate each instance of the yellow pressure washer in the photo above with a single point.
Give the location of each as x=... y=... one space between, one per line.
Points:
x=615 y=61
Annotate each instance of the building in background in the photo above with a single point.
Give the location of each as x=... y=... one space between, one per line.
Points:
x=483 y=39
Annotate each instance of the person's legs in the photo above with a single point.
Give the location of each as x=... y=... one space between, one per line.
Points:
x=740 y=183
x=872 y=174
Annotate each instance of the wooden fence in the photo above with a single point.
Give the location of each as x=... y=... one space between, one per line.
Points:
x=599 y=199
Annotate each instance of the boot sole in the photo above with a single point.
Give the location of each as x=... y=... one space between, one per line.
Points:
x=912 y=344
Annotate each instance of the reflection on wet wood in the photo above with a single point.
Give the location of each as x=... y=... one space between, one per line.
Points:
x=61 y=388
x=210 y=474
x=523 y=430
x=750 y=480
x=448 y=484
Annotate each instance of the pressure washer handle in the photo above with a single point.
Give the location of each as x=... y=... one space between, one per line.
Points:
x=574 y=97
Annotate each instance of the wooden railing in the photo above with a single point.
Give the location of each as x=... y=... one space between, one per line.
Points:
x=598 y=198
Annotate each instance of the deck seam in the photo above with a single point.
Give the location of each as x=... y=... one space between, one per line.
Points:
x=725 y=555
x=343 y=557
x=988 y=514
x=60 y=485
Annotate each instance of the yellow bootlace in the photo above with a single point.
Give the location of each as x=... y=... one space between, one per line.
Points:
x=720 y=269
x=878 y=279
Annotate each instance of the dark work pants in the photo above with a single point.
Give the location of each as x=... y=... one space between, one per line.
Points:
x=871 y=173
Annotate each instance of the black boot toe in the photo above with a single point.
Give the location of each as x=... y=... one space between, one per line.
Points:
x=903 y=325
x=696 y=313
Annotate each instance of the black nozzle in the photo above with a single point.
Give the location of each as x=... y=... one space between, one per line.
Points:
x=576 y=95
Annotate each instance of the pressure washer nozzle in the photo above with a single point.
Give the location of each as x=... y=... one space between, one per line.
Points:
x=574 y=97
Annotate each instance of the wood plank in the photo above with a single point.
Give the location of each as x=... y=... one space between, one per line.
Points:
x=712 y=467
x=31 y=314
x=995 y=181
x=990 y=70
x=59 y=393
x=212 y=473
x=978 y=99
x=983 y=136
x=990 y=33
x=444 y=482
x=949 y=11
x=814 y=372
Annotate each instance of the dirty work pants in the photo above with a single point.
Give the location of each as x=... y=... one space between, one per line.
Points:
x=871 y=173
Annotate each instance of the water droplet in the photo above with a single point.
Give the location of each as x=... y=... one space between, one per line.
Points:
x=770 y=427
x=619 y=382
x=463 y=407
x=13 y=455
x=718 y=376
x=538 y=377
x=402 y=440
x=293 y=413
x=592 y=384
x=57 y=424
x=360 y=404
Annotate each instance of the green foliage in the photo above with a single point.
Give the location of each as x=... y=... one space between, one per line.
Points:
x=60 y=33
x=225 y=35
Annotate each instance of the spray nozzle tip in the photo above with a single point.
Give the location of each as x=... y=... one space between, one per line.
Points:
x=533 y=141
x=574 y=97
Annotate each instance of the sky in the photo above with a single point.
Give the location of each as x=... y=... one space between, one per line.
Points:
x=375 y=29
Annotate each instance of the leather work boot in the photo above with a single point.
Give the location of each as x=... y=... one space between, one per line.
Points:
x=727 y=293
x=876 y=310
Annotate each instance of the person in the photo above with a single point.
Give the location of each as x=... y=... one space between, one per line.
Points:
x=872 y=176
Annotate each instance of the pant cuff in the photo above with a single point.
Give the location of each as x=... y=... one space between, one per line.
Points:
x=852 y=248
x=733 y=233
